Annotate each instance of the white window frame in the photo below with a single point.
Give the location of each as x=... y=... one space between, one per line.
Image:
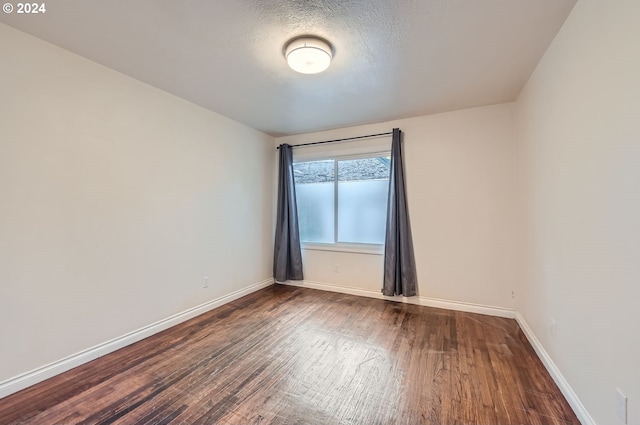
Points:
x=360 y=248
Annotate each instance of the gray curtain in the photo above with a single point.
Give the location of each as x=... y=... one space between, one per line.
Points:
x=287 y=258
x=399 y=263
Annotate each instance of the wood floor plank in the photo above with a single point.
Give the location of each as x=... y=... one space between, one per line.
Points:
x=287 y=355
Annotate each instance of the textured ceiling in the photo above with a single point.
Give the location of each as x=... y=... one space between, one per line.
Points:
x=392 y=59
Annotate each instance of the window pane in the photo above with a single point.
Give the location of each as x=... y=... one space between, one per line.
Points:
x=363 y=186
x=314 y=194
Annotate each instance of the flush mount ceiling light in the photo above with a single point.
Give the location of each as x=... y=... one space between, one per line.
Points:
x=308 y=55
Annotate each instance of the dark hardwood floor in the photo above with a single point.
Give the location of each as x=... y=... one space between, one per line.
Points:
x=288 y=355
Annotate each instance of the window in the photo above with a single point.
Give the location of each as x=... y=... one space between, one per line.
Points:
x=343 y=200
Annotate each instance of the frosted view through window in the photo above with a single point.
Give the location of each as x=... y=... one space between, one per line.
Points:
x=361 y=185
x=314 y=194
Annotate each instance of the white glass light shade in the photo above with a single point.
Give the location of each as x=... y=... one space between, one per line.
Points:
x=308 y=55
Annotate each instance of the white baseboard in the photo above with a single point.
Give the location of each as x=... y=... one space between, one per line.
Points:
x=426 y=301
x=575 y=403
x=27 y=379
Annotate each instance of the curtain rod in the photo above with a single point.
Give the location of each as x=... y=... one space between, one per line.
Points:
x=340 y=140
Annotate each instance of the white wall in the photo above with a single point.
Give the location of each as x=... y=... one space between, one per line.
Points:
x=461 y=192
x=578 y=131
x=115 y=200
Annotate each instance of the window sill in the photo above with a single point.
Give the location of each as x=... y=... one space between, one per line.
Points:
x=355 y=249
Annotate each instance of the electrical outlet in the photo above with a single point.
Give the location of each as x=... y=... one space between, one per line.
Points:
x=553 y=328
x=621 y=406
x=206 y=281
x=336 y=268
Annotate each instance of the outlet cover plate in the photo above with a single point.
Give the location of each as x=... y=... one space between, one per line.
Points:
x=621 y=406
